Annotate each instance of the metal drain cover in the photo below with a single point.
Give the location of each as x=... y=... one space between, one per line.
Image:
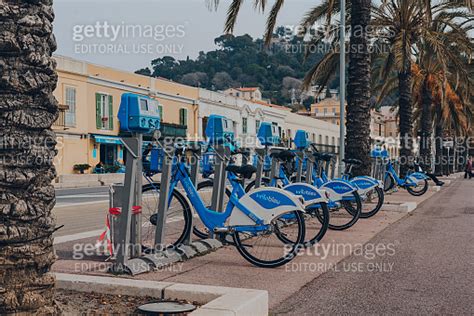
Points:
x=166 y=308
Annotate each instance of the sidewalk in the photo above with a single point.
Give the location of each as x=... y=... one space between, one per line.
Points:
x=225 y=267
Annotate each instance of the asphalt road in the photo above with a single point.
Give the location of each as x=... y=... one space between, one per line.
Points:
x=81 y=196
x=428 y=269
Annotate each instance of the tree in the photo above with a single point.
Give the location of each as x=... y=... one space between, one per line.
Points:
x=358 y=111
x=358 y=87
x=399 y=22
x=28 y=109
x=222 y=80
x=195 y=79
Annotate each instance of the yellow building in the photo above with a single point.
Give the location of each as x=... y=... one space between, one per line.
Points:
x=89 y=97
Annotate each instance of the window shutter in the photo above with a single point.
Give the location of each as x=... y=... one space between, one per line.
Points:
x=160 y=111
x=98 y=118
x=111 y=112
x=185 y=117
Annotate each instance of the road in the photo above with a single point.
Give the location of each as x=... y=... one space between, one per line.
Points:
x=430 y=271
x=81 y=196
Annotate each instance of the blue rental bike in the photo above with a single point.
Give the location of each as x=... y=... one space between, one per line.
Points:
x=316 y=216
x=415 y=183
x=344 y=202
x=253 y=220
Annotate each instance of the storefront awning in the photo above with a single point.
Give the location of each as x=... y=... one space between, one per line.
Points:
x=107 y=139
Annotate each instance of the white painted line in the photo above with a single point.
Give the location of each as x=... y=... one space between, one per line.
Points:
x=68 y=238
x=81 y=196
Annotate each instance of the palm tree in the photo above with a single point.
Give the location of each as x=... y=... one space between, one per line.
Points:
x=358 y=97
x=28 y=109
x=444 y=45
x=400 y=21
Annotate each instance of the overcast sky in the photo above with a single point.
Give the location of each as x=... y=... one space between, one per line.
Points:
x=128 y=34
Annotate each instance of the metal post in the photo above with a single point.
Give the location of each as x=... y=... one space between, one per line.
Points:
x=218 y=190
x=163 y=200
x=299 y=171
x=309 y=167
x=342 y=86
x=136 y=229
x=125 y=219
x=260 y=161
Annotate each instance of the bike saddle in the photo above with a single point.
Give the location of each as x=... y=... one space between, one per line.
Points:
x=323 y=156
x=285 y=155
x=245 y=171
x=352 y=161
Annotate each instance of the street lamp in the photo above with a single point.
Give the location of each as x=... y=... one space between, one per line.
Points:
x=342 y=85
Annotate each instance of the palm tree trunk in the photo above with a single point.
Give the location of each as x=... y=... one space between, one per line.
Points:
x=406 y=119
x=27 y=149
x=439 y=148
x=358 y=88
x=426 y=125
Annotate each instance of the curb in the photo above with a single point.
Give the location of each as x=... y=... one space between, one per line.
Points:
x=216 y=300
x=154 y=261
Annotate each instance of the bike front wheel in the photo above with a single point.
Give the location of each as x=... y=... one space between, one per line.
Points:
x=177 y=220
x=372 y=203
x=267 y=249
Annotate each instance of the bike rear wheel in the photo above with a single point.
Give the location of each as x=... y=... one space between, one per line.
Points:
x=316 y=219
x=267 y=249
x=345 y=215
x=419 y=190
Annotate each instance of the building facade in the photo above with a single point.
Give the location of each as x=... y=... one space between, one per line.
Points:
x=89 y=96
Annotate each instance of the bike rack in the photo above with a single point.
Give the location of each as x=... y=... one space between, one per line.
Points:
x=128 y=196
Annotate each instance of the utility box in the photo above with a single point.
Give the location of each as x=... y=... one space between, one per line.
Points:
x=268 y=134
x=138 y=113
x=219 y=130
x=301 y=139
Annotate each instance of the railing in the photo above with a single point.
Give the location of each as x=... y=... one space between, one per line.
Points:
x=173 y=130
x=61 y=120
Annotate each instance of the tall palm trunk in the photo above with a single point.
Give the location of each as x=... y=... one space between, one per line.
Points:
x=358 y=87
x=439 y=148
x=27 y=149
x=405 y=111
x=426 y=124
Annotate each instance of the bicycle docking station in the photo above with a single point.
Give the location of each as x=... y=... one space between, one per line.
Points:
x=139 y=115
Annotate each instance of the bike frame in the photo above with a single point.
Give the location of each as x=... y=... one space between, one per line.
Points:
x=212 y=219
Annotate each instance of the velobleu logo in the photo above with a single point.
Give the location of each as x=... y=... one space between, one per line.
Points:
x=306 y=192
x=268 y=198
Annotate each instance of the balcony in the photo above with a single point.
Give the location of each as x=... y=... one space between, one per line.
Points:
x=173 y=130
x=61 y=120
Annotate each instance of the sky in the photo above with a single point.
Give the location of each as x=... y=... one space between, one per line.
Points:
x=128 y=34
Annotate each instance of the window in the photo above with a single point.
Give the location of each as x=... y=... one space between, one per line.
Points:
x=334 y=110
x=257 y=125
x=70 y=100
x=325 y=111
x=244 y=125
x=144 y=105
x=316 y=110
x=104 y=111
x=183 y=117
